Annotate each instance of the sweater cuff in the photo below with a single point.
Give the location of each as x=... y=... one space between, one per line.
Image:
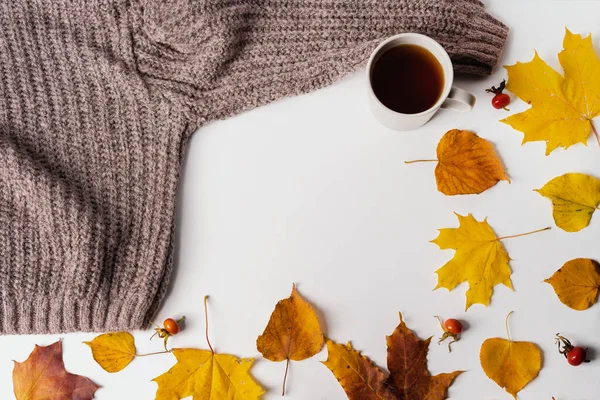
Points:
x=44 y=315
x=479 y=45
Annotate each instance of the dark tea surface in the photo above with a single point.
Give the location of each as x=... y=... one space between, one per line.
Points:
x=407 y=79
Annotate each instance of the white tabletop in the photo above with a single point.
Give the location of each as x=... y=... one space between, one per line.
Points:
x=312 y=190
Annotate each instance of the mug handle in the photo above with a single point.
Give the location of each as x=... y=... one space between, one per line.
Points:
x=459 y=100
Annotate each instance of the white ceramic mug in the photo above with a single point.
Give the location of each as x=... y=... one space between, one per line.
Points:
x=452 y=98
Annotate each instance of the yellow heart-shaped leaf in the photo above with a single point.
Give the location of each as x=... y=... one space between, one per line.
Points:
x=512 y=365
x=113 y=351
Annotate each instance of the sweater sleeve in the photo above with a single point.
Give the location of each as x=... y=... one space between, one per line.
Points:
x=221 y=57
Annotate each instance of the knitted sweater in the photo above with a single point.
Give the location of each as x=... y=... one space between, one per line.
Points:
x=98 y=99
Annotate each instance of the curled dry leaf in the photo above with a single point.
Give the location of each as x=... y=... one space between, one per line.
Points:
x=293 y=332
x=512 y=365
x=574 y=197
x=113 y=351
x=467 y=164
x=562 y=108
x=409 y=377
x=576 y=284
x=480 y=259
x=43 y=376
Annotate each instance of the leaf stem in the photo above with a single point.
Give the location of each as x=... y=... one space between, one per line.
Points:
x=287 y=366
x=525 y=234
x=206 y=320
x=506 y=323
x=152 y=354
x=417 y=161
x=595 y=132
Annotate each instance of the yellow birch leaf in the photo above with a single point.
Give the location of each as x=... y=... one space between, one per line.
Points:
x=205 y=375
x=512 y=365
x=113 y=351
x=293 y=332
x=480 y=259
x=467 y=164
x=561 y=107
x=576 y=283
x=574 y=197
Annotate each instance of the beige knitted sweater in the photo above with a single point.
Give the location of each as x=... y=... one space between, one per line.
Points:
x=98 y=99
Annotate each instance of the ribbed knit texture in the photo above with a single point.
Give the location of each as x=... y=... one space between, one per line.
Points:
x=98 y=99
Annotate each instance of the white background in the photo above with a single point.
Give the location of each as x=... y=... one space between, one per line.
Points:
x=312 y=190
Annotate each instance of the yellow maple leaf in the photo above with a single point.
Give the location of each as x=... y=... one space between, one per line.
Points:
x=576 y=283
x=113 y=351
x=574 y=197
x=561 y=107
x=293 y=332
x=467 y=164
x=480 y=259
x=512 y=365
x=207 y=375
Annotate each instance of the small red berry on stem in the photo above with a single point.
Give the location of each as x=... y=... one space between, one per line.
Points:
x=452 y=329
x=500 y=100
x=171 y=327
x=575 y=355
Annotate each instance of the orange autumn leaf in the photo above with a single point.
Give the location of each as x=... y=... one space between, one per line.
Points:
x=409 y=377
x=359 y=376
x=577 y=283
x=293 y=332
x=467 y=164
x=43 y=376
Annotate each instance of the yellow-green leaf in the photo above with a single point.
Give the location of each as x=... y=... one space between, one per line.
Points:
x=113 y=351
x=574 y=197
